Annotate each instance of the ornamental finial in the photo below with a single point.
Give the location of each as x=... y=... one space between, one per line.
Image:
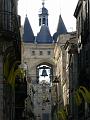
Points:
x=43 y=2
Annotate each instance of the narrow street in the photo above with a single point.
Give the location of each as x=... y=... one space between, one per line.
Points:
x=44 y=75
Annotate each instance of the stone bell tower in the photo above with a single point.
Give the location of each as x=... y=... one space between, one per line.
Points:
x=38 y=53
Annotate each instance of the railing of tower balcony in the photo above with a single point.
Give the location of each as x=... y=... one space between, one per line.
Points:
x=9 y=23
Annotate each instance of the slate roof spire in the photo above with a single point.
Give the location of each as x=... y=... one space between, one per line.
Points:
x=28 y=35
x=61 y=28
x=44 y=35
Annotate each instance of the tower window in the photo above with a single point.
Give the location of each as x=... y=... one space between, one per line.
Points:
x=41 y=52
x=48 y=52
x=47 y=22
x=39 y=21
x=33 y=52
x=43 y=21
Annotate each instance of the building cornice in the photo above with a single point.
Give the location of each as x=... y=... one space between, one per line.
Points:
x=79 y=4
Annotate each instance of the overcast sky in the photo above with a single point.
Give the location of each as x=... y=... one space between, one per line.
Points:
x=55 y=7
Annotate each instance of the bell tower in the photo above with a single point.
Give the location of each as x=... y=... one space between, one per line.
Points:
x=43 y=15
x=41 y=65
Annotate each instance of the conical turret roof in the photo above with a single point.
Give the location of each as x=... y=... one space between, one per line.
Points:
x=61 y=29
x=28 y=35
x=44 y=35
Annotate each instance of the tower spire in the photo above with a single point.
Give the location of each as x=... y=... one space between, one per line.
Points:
x=43 y=15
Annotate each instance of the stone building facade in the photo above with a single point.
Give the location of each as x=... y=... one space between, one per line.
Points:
x=82 y=15
x=66 y=71
x=9 y=47
x=36 y=55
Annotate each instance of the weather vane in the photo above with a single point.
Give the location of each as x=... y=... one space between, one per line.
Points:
x=43 y=2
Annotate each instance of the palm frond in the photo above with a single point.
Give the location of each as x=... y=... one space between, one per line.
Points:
x=62 y=114
x=11 y=73
x=6 y=66
x=85 y=93
x=78 y=98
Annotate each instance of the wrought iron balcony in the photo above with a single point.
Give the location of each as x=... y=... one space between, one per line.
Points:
x=9 y=24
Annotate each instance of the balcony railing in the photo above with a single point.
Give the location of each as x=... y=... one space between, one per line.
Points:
x=9 y=23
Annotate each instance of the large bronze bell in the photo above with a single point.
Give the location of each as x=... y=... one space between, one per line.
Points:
x=44 y=73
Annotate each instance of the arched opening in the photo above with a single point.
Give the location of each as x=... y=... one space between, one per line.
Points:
x=44 y=72
x=44 y=20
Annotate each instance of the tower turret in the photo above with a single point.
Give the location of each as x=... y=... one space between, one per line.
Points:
x=61 y=29
x=43 y=15
x=28 y=35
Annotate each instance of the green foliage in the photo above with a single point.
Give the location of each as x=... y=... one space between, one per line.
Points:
x=78 y=98
x=10 y=74
x=85 y=93
x=82 y=94
x=13 y=74
x=62 y=114
x=6 y=66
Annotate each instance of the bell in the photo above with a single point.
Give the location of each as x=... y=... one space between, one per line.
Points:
x=44 y=73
